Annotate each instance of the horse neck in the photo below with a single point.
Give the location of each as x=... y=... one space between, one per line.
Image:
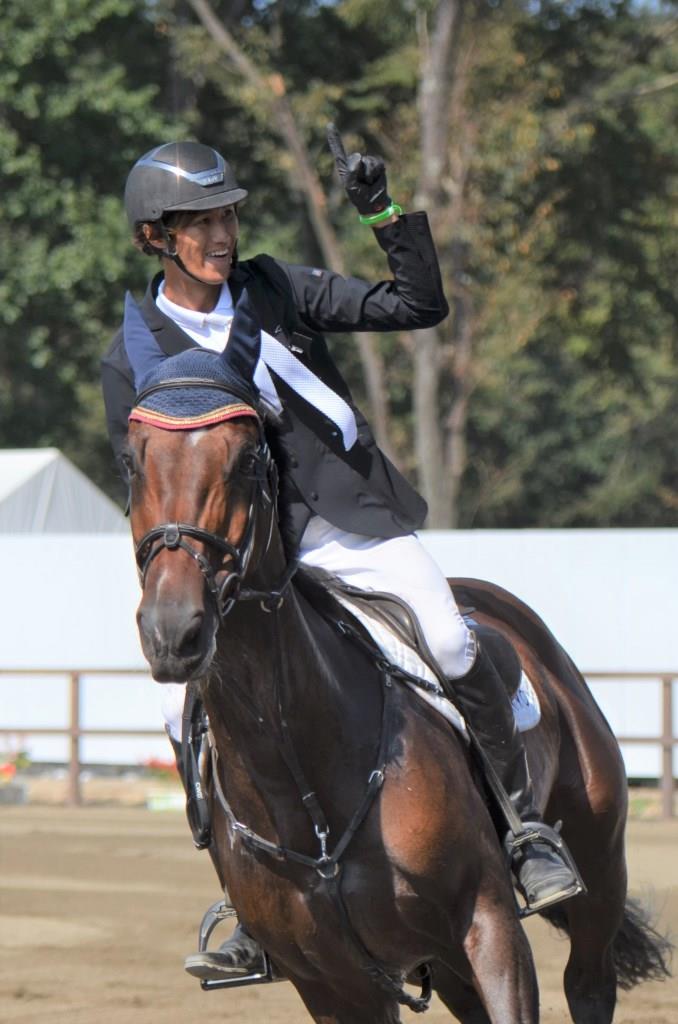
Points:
x=273 y=662
x=292 y=666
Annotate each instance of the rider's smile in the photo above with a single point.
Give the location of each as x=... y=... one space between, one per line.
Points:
x=205 y=245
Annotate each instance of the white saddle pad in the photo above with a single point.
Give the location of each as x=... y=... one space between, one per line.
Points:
x=525 y=703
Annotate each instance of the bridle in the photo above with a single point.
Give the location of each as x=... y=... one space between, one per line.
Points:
x=226 y=591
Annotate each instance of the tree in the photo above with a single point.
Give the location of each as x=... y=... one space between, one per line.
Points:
x=539 y=137
x=494 y=149
x=540 y=168
x=77 y=106
x=268 y=89
x=573 y=412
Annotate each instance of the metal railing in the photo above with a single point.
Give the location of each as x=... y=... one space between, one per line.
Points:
x=666 y=740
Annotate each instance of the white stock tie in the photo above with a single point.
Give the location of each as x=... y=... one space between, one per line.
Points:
x=211 y=331
x=278 y=358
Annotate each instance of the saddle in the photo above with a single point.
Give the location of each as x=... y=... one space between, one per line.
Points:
x=396 y=616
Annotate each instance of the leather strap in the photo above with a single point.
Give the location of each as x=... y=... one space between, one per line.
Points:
x=193 y=735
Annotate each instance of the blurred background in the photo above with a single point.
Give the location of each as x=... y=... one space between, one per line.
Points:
x=541 y=137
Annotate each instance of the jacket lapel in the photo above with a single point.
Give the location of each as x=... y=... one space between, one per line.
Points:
x=169 y=335
x=264 y=296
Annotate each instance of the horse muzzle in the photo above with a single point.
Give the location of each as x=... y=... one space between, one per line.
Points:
x=178 y=641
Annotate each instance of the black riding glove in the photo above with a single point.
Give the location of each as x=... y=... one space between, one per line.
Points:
x=363 y=177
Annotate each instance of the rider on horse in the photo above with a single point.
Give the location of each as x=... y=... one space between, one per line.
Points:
x=344 y=506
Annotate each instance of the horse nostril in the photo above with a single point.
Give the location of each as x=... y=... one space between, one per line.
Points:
x=147 y=628
x=189 y=641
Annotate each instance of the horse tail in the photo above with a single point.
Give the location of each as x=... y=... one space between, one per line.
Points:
x=639 y=952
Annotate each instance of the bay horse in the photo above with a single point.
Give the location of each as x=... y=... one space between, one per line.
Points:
x=349 y=825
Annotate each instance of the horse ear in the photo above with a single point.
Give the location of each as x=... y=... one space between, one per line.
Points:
x=242 y=352
x=142 y=349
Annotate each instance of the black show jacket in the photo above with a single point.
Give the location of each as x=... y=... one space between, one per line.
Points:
x=359 y=490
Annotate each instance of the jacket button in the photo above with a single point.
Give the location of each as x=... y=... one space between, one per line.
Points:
x=314 y=495
x=294 y=461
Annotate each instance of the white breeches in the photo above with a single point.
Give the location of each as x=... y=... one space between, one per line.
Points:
x=400 y=566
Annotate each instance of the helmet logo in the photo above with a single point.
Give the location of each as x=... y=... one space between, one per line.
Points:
x=210 y=176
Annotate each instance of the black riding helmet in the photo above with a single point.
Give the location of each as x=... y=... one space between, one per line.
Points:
x=179 y=176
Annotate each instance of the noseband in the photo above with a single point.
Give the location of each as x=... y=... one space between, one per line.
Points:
x=172 y=537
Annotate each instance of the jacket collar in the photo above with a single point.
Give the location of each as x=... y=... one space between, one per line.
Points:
x=169 y=335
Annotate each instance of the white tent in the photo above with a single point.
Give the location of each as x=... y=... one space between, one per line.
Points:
x=42 y=492
x=67 y=602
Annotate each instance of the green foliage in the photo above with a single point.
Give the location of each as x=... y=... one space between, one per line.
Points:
x=574 y=415
x=556 y=216
x=79 y=85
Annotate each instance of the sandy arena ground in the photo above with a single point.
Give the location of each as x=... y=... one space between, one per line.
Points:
x=99 y=905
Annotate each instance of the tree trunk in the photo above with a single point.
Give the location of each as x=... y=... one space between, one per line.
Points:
x=440 y=442
x=303 y=178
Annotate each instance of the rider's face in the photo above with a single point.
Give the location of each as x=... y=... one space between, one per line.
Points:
x=205 y=243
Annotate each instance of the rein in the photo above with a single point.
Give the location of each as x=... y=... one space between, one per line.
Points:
x=326 y=864
x=225 y=593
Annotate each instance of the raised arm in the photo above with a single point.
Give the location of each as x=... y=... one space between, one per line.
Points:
x=412 y=298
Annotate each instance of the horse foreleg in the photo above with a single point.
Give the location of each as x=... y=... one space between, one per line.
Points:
x=458 y=995
x=502 y=968
x=355 y=1004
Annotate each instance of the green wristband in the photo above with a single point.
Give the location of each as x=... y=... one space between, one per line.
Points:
x=377 y=218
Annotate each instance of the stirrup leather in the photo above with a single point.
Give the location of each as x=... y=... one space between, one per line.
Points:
x=538 y=831
x=218 y=912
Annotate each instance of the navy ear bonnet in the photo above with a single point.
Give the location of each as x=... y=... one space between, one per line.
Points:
x=198 y=387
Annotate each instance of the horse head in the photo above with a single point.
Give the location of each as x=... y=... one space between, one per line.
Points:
x=202 y=489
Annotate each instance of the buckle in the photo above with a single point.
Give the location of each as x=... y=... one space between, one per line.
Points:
x=172 y=536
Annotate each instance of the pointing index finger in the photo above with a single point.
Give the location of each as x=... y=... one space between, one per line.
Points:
x=336 y=147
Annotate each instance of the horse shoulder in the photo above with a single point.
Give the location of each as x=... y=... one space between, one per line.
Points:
x=429 y=794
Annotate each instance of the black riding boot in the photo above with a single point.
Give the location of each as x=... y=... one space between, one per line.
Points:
x=239 y=955
x=543 y=875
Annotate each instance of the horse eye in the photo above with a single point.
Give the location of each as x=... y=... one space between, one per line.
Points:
x=248 y=464
x=128 y=463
